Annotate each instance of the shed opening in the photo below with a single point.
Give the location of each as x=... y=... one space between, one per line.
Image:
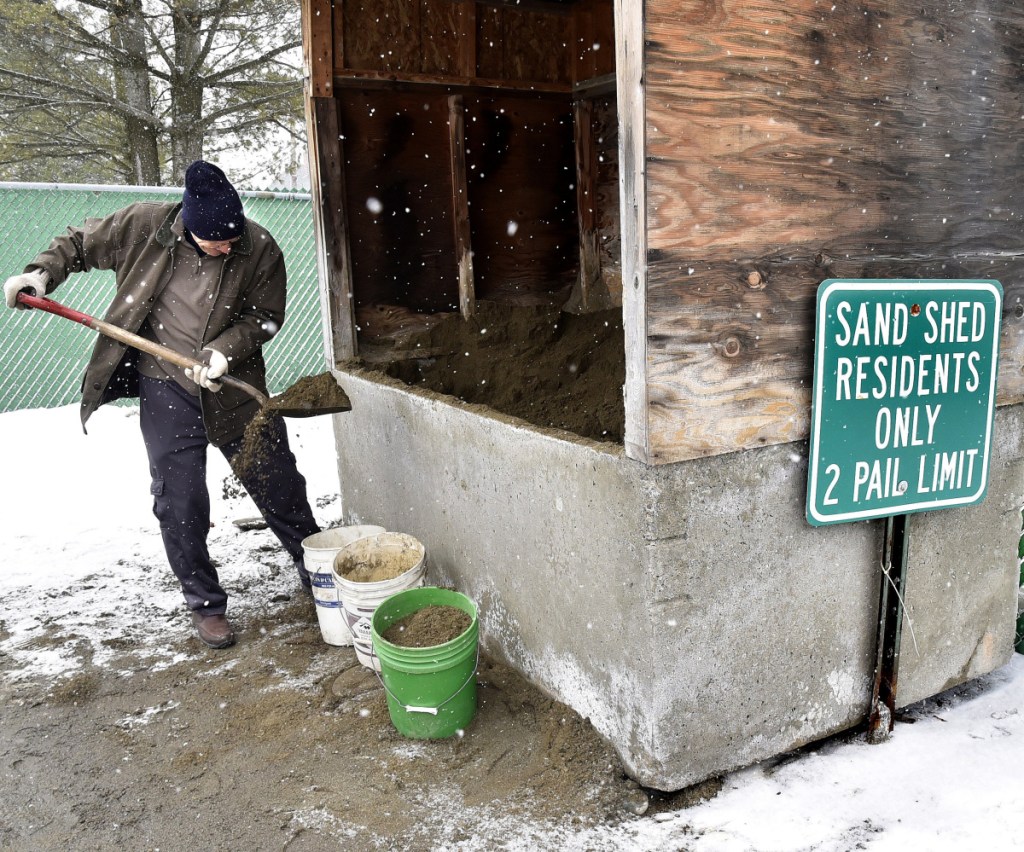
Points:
x=478 y=190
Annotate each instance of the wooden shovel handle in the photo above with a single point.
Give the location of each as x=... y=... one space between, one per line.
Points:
x=134 y=340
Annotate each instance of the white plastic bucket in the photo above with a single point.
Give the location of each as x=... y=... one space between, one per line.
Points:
x=360 y=599
x=319 y=551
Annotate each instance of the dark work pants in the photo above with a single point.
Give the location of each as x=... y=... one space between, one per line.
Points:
x=176 y=442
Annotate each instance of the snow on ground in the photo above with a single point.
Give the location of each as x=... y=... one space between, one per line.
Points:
x=76 y=510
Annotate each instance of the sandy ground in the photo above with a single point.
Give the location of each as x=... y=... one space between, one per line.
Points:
x=144 y=739
x=281 y=742
x=119 y=730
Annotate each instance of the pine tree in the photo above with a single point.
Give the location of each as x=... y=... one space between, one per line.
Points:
x=132 y=91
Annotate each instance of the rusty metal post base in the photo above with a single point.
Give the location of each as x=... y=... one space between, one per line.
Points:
x=890 y=625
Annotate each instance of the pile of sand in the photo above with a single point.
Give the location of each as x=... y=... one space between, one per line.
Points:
x=550 y=368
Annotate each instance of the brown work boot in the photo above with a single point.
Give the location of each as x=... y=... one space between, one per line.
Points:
x=214 y=630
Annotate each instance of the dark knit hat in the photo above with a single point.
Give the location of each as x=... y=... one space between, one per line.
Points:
x=210 y=208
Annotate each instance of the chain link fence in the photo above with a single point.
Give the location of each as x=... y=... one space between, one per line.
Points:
x=43 y=357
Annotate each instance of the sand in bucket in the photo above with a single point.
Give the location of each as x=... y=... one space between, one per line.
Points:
x=318 y=552
x=368 y=572
x=431 y=688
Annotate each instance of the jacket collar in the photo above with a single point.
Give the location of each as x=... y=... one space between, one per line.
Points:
x=172 y=229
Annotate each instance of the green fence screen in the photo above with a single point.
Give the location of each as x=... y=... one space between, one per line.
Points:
x=42 y=357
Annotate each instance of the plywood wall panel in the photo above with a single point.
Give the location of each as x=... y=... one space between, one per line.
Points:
x=880 y=136
x=490 y=42
x=440 y=36
x=523 y=45
x=730 y=345
x=804 y=125
x=537 y=46
x=733 y=369
x=398 y=199
x=535 y=43
x=382 y=35
x=521 y=172
x=593 y=40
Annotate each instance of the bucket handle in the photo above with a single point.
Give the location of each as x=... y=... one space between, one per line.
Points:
x=412 y=708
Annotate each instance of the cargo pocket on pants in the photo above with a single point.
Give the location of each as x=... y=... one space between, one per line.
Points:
x=156 y=489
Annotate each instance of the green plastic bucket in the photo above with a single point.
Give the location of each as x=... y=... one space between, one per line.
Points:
x=1019 y=638
x=431 y=692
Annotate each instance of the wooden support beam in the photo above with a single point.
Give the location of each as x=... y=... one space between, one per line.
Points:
x=369 y=80
x=596 y=87
x=591 y=292
x=632 y=100
x=589 y=281
x=333 y=258
x=318 y=44
x=460 y=205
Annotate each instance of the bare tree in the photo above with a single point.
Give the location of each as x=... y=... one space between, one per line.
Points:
x=132 y=91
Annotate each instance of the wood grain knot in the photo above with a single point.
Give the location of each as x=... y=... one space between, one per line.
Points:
x=1018 y=311
x=731 y=347
x=755 y=280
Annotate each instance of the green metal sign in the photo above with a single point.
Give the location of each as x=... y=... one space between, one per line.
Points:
x=904 y=396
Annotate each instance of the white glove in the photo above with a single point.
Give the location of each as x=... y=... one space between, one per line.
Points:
x=207 y=375
x=33 y=282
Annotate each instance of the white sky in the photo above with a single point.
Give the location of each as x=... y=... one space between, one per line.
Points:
x=78 y=534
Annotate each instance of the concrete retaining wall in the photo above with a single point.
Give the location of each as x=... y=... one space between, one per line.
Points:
x=688 y=610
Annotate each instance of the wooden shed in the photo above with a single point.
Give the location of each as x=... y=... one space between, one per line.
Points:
x=700 y=167
x=762 y=150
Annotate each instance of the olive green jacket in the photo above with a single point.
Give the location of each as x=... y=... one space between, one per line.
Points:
x=247 y=308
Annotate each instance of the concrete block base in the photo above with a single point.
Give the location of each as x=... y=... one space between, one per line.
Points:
x=688 y=610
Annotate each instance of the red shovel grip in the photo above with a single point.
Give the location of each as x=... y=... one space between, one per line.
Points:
x=52 y=307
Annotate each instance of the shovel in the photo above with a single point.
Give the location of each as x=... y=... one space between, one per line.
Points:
x=277 y=405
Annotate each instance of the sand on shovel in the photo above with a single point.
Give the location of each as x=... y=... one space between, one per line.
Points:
x=309 y=393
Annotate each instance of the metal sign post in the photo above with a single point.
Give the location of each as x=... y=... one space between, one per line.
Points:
x=901 y=422
x=890 y=626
